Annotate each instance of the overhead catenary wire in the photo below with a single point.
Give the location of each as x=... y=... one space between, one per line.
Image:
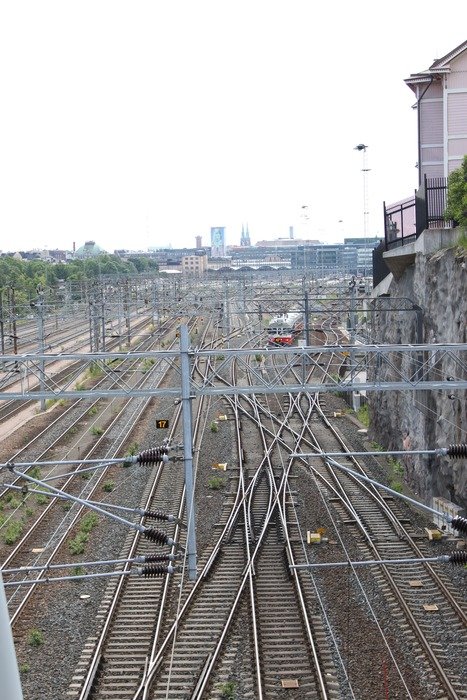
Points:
x=153 y=570
x=458 y=558
x=141 y=559
x=457 y=522
x=149 y=533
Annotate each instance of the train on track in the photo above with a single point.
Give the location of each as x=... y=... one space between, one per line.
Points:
x=283 y=330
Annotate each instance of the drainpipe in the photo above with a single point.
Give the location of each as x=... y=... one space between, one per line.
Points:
x=419 y=100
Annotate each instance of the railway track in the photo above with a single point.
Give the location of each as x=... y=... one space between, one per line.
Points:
x=252 y=624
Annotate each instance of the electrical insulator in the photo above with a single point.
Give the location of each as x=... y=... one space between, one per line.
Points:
x=459 y=523
x=457 y=451
x=159 y=515
x=153 y=455
x=156 y=570
x=151 y=558
x=459 y=557
x=158 y=536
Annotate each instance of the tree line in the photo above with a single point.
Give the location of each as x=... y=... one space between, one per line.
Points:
x=25 y=277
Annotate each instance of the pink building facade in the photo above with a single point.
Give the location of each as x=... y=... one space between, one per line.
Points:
x=441 y=93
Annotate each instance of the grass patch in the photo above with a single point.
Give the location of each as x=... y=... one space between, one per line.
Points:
x=228 y=690
x=147 y=364
x=216 y=482
x=95 y=370
x=397 y=475
x=108 y=486
x=376 y=447
x=462 y=240
x=363 y=415
x=214 y=427
x=97 y=430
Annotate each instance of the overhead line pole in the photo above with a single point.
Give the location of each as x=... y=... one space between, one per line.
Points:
x=188 y=450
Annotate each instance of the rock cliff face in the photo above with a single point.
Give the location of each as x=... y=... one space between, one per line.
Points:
x=414 y=420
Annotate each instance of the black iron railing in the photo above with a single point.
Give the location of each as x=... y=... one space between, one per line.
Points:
x=406 y=220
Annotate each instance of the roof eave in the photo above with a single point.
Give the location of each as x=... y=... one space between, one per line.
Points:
x=440 y=63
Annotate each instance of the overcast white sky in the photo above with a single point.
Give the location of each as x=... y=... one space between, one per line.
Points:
x=145 y=123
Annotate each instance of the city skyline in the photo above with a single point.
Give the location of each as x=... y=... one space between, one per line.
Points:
x=147 y=125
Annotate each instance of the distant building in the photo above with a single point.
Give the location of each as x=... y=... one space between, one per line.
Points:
x=353 y=257
x=89 y=250
x=285 y=243
x=195 y=264
x=58 y=255
x=441 y=92
x=218 y=241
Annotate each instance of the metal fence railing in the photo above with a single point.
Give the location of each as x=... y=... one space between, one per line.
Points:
x=404 y=221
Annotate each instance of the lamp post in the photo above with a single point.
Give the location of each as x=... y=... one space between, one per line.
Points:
x=365 y=170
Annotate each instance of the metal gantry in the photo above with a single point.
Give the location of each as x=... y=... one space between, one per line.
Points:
x=388 y=367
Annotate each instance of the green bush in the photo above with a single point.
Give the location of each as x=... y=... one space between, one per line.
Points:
x=97 y=430
x=89 y=521
x=35 y=638
x=13 y=532
x=108 y=486
x=214 y=427
x=456 y=205
x=78 y=544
